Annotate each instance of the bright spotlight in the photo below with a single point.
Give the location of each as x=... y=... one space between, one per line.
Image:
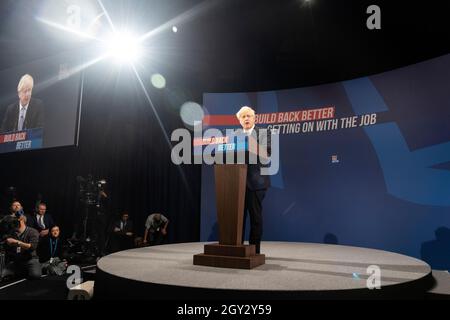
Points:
x=158 y=81
x=123 y=48
x=174 y=29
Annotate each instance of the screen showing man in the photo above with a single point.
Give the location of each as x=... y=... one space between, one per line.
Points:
x=39 y=104
x=27 y=112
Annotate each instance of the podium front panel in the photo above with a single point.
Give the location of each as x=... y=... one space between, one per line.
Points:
x=230 y=197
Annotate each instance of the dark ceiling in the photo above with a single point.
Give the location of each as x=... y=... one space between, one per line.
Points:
x=245 y=45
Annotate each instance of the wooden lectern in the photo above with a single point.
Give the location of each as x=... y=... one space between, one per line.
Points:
x=230 y=196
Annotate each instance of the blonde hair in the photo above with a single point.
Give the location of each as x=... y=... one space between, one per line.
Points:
x=25 y=79
x=244 y=108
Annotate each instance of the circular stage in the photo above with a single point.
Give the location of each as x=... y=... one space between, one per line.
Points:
x=292 y=271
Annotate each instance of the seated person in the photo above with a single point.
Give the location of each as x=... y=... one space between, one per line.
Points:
x=21 y=251
x=51 y=254
x=121 y=237
x=155 y=229
x=41 y=221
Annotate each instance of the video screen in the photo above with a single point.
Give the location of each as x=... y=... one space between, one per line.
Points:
x=39 y=105
x=40 y=80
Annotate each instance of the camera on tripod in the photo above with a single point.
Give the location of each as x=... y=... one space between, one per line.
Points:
x=89 y=227
x=90 y=190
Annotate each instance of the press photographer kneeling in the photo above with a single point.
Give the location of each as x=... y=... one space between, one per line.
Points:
x=20 y=248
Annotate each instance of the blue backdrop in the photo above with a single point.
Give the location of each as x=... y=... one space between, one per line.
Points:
x=384 y=186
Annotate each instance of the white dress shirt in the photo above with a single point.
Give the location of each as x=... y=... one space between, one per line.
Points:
x=40 y=219
x=249 y=131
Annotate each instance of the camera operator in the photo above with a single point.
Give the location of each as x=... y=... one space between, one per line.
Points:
x=15 y=208
x=9 y=222
x=21 y=251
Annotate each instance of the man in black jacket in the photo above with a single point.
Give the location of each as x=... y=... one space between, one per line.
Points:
x=41 y=221
x=257 y=184
x=27 y=113
x=121 y=237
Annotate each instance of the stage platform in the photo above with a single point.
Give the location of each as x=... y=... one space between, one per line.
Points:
x=291 y=271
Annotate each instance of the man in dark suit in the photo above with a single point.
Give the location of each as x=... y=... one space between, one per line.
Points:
x=257 y=184
x=41 y=221
x=121 y=237
x=27 y=113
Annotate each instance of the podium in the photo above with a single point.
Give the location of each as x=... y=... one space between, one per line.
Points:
x=230 y=184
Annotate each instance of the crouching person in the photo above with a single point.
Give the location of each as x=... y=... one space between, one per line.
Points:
x=21 y=251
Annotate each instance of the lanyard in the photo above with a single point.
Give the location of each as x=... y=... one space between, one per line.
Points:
x=23 y=235
x=53 y=250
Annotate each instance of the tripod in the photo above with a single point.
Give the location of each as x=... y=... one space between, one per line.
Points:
x=94 y=228
x=91 y=197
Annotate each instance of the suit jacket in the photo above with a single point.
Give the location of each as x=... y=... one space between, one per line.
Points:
x=256 y=181
x=128 y=227
x=33 y=223
x=33 y=119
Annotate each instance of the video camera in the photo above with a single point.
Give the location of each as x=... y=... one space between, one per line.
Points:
x=90 y=190
x=8 y=227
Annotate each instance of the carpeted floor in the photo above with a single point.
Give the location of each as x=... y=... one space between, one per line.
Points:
x=289 y=266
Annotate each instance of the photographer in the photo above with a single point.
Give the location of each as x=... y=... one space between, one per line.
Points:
x=155 y=229
x=15 y=208
x=21 y=251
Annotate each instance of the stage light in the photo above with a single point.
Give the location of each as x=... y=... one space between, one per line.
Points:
x=174 y=29
x=123 y=47
x=158 y=81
